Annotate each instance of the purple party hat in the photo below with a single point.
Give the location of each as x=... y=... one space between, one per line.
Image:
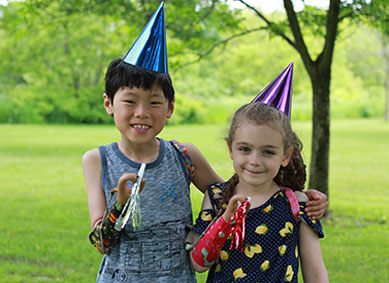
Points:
x=149 y=50
x=279 y=92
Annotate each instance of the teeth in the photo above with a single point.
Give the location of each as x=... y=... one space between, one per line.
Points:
x=141 y=127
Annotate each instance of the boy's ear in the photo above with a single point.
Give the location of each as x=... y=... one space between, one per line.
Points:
x=170 y=109
x=287 y=156
x=107 y=104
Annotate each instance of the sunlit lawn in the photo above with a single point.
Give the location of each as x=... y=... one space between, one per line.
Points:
x=45 y=221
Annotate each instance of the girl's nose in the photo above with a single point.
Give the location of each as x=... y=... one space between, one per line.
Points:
x=255 y=159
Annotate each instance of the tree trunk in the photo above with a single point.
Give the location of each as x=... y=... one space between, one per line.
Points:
x=319 y=167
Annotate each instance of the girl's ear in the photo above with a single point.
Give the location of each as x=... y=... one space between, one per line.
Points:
x=230 y=149
x=287 y=156
x=107 y=104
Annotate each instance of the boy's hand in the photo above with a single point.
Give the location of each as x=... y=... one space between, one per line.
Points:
x=233 y=205
x=124 y=191
x=317 y=204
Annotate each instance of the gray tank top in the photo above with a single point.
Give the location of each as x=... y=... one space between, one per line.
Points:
x=155 y=252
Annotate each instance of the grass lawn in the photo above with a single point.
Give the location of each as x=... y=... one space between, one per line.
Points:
x=45 y=219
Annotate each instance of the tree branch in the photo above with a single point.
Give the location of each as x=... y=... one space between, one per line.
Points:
x=298 y=37
x=269 y=23
x=223 y=42
x=325 y=57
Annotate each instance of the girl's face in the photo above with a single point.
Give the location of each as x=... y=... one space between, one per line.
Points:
x=139 y=114
x=258 y=153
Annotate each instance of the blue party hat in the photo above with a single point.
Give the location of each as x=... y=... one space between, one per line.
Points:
x=279 y=92
x=149 y=50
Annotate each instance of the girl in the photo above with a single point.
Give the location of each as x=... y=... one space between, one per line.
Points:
x=267 y=160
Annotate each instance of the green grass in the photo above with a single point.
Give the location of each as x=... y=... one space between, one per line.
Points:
x=45 y=219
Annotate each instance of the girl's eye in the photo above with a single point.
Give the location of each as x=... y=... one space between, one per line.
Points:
x=244 y=149
x=155 y=103
x=130 y=101
x=268 y=152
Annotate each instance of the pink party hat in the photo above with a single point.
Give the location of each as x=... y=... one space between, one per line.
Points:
x=279 y=92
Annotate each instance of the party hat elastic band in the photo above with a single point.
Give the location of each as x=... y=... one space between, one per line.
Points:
x=279 y=92
x=149 y=50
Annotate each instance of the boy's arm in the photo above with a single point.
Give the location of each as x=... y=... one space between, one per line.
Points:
x=317 y=204
x=312 y=264
x=204 y=174
x=91 y=165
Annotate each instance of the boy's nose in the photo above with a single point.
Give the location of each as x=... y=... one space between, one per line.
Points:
x=141 y=110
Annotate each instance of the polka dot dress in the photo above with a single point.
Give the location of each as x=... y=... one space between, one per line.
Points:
x=270 y=246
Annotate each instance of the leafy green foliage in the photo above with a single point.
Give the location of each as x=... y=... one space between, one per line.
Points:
x=54 y=55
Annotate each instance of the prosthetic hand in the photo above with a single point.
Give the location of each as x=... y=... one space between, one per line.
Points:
x=104 y=232
x=209 y=246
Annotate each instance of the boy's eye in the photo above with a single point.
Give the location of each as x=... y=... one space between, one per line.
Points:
x=156 y=103
x=130 y=101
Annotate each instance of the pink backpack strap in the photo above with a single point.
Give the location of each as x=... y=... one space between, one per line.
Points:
x=294 y=204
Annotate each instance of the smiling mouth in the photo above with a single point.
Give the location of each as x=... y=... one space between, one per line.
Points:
x=254 y=172
x=141 y=127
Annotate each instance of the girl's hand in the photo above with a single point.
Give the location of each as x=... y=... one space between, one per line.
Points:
x=233 y=205
x=124 y=191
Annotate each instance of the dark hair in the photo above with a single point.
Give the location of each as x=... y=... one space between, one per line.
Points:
x=121 y=74
x=293 y=175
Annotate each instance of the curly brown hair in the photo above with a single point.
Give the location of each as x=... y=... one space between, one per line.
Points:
x=294 y=174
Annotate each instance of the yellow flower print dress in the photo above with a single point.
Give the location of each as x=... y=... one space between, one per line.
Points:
x=270 y=245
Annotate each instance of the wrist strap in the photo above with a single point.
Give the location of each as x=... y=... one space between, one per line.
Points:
x=105 y=232
x=208 y=248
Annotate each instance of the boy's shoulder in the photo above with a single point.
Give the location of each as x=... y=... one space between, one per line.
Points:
x=91 y=156
x=194 y=152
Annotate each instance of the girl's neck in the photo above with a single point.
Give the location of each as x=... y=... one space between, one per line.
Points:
x=140 y=153
x=259 y=194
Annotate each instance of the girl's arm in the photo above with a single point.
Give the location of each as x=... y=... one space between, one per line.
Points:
x=312 y=264
x=204 y=174
x=193 y=237
x=207 y=250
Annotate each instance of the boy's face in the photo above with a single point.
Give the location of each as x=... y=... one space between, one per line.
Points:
x=139 y=114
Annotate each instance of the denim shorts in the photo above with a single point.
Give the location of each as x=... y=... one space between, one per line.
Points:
x=150 y=255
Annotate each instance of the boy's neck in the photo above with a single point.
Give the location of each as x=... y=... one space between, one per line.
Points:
x=140 y=153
